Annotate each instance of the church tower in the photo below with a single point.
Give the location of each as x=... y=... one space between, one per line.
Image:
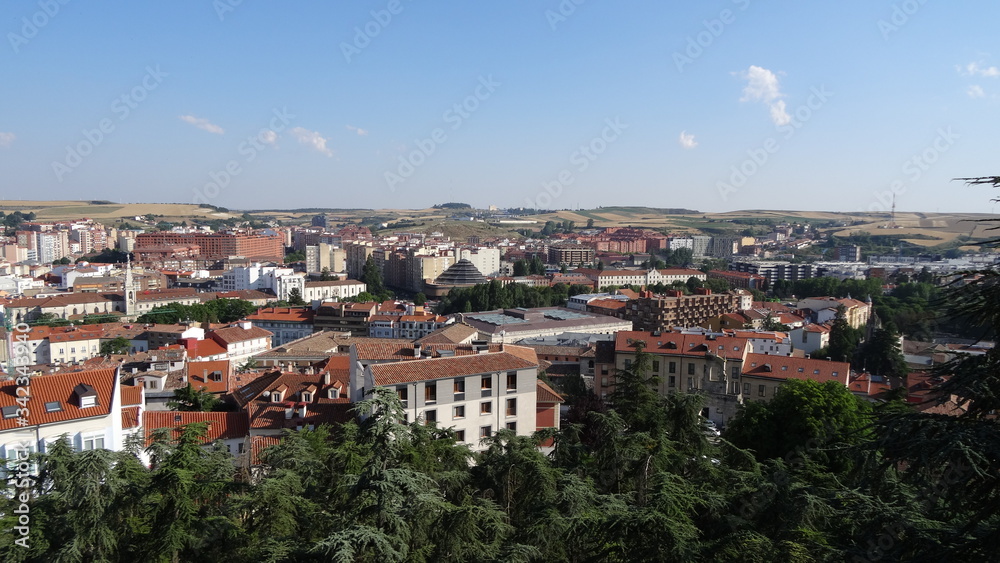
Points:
x=129 y=287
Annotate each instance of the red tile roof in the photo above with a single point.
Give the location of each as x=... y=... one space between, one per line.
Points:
x=200 y=375
x=221 y=425
x=284 y=314
x=233 y=334
x=61 y=388
x=258 y=444
x=785 y=367
x=440 y=368
x=547 y=394
x=273 y=415
x=130 y=417
x=674 y=343
x=131 y=395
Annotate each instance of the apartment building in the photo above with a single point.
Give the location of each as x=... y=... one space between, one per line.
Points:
x=673 y=308
x=474 y=395
x=763 y=374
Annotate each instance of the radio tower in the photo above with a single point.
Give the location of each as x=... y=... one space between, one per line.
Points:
x=892 y=214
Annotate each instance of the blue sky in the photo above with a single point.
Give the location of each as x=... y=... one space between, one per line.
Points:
x=716 y=106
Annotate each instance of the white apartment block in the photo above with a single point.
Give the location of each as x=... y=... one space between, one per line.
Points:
x=474 y=395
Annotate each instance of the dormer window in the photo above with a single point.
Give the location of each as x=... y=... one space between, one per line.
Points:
x=306 y=397
x=86 y=394
x=333 y=393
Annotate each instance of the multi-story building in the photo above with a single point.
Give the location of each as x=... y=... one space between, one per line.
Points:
x=775 y=271
x=91 y=408
x=571 y=254
x=216 y=245
x=344 y=317
x=330 y=290
x=673 y=308
x=284 y=323
x=694 y=363
x=763 y=374
x=474 y=395
x=740 y=280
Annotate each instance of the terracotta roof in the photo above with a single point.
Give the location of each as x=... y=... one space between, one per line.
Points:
x=451 y=334
x=131 y=395
x=233 y=334
x=292 y=384
x=221 y=425
x=258 y=444
x=63 y=389
x=284 y=314
x=273 y=415
x=208 y=348
x=441 y=368
x=677 y=344
x=200 y=374
x=130 y=417
x=546 y=394
x=681 y=272
x=785 y=367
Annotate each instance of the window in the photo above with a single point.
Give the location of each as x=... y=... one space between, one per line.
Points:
x=671 y=380
x=402 y=395
x=512 y=426
x=690 y=383
x=53 y=406
x=430 y=393
x=761 y=390
x=430 y=416
x=746 y=388
x=485 y=407
x=485 y=431
x=672 y=367
x=487 y=386
x=656 y=365
x=511 y=407
x=93 y=442
x=239 y=448
x=628 y=364
x=307 y=397
x=460 y=435
x=734 y=372
x=511 y=381
x=690 y=369
x=604 y=370
x=459 y=389
x=458 y=412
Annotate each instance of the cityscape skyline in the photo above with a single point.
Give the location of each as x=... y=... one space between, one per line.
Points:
x=572 y=104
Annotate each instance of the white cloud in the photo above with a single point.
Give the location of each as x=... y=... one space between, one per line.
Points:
x=268 y=137
x=975 y=69
x=763 y=86
x=358 y=130
x=6 y=139
x=313 y=139
x=203 y=124
x=976 y=91
x=687 y=141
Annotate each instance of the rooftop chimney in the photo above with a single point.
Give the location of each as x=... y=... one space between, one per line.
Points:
x=416 y=350
x=288 y=413
x=326 y=378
